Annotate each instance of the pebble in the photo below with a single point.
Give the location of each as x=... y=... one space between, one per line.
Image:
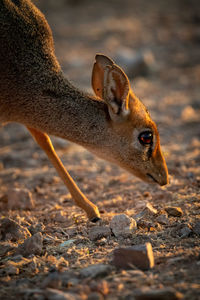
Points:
x=174 y=211
x=34 y=228
x=185 y=231
x=4 y=249
x=11 y=270
x=162 y=219
x=19 y=199
x=95 y=296
x=54 y=294
x=148 y=211
x=164 y=294
x=100 y=286
x=57 y=279
x=141 y=256
x=93 y=271
x=181 y=230
x=53 y=280
x=67 y=243
x=99 y=232
x=11 y=230
x=60 y=217
x=144 y=224
x=33 y=265
x=69 y=278
x=196 y=228
x=122 y=225
x=32 y=245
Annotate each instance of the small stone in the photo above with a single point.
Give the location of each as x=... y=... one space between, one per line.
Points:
x=102 y=242
x=11 y=230
x=69 y=278
x=95 y=296
x=54 y=294
x=162 y=219
x=32 y=245
x=5 y=248
x=11 y=270
x=98 y=232
x=20 y=199
x=185 y=232
x=18 y=258
x=67 y=243
x=35 y=294
x=174 y=211
x=141 y=256
x=148 y=211
x=100 y=286
x=60 y=217
x=181 y=230
x=144 y=224
x=122 y=225
x=33 y=265
x=93 y=271
x=39 y=227
x=196 y=228
x=53 y=280
x=164 y=294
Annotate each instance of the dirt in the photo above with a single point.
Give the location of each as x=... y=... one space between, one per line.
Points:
x=68 y=263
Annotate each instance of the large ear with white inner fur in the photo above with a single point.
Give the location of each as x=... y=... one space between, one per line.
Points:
x=116 y=92
x=98 y=72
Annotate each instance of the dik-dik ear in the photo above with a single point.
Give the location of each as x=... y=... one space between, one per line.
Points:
x=98 y=72
x=116 y=92
x=112 y=85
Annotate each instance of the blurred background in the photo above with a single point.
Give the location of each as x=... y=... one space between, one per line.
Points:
x=166 y=32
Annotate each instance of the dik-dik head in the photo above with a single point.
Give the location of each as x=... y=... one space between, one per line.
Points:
x=137 y=146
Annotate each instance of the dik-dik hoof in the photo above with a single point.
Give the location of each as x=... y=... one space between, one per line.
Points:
x=96 y=219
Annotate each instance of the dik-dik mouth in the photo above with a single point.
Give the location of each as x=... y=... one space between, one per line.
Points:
x=162 y=180
x=152 y=178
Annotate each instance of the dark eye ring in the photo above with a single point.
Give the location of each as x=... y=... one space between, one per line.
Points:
x=146 y=138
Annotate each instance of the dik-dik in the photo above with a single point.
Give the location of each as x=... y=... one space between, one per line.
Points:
x=114 y=124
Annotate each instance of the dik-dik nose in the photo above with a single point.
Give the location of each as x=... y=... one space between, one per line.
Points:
x=162 y=170
x=164 y=178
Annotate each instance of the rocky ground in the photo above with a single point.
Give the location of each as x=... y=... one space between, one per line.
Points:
x=48 y=249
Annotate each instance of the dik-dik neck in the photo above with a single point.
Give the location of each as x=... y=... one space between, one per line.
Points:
x=70 y=114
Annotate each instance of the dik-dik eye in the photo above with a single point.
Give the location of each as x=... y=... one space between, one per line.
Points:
x=146 y=138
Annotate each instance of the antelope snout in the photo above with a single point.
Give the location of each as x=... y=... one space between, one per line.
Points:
x=159 y=172
x=163 y=178
x=161 y=175
x=159 y=178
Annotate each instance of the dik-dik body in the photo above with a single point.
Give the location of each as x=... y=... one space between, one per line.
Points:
x=114 y=124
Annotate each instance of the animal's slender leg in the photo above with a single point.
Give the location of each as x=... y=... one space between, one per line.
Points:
x=44 y=142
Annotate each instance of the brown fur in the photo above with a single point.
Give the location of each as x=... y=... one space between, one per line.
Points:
x=34 y=92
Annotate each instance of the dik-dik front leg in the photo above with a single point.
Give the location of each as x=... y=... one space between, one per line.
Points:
x=44 y=142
